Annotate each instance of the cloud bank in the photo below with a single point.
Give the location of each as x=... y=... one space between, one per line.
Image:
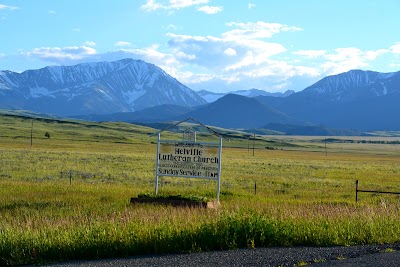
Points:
x=244 y=56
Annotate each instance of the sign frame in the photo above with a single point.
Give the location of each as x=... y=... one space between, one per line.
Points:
x=198 y=144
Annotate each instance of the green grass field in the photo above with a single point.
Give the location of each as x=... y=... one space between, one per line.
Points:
x=67 y=197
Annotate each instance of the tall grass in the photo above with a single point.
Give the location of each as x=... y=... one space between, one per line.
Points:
x=149 y=230
x=303 y=197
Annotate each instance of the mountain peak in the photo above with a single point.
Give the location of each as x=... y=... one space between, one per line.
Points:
x=95 y=87
x=236 y=111
x=351 y=85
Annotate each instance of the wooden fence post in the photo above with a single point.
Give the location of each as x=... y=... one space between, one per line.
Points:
x=356 y=191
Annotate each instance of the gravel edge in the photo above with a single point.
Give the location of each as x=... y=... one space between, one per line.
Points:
x=273 y=256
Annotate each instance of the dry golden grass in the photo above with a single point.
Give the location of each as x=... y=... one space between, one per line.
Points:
x=304 y=195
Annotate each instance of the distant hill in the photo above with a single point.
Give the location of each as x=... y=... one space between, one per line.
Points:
x=230 y=111
x=309 y=130
x=27 y=113
x=148 y=115
x=211 y=97
x=235 y=111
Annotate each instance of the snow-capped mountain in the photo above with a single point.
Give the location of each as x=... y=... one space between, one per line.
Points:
x=354 y=85
x=363 y=100
x=102 y=88
x=212 y=97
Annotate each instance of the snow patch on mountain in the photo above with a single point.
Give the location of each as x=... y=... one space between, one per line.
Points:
x=152 y=79
x=105 y=94
x=39 y=92
x=385 y=90
x=7 y=83
x=131 y=96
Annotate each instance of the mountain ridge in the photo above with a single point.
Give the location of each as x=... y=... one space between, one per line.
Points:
x=119 y=86
x=364 y=100
x=349 y=86
x=353 y=100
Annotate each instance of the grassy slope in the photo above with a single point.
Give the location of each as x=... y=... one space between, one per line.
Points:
x=304 y=195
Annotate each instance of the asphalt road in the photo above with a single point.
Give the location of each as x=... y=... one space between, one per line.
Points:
x=382 y=255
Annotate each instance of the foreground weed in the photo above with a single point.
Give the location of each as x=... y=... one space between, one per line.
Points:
x=302 y=263
x=388 y=250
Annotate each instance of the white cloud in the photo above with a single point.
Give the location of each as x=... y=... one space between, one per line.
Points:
x=280 y=70
x=395 y=48
x=251 y=5
x=341 y=59
x=244 y=56
x=76 y=29
x=57 y=54
x=244 y=41
x=150 y=54
x=171 y=27
x=345 y=54
x=238 y=56
x=256 y=30
x=176 y=4
x=344 y=59
x=122 y=43
x=82 y=54
x=257 y=56
x=152 y=5
x=210 y=9
x=52 y=12
x=5 y=7
x=89 y=43
x=230 y=52
x=182 y=55
x=188 y=77
x=310 y=53
x=372 y=55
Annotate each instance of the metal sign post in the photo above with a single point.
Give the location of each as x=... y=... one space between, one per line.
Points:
x=158 y=149
x=219 y=169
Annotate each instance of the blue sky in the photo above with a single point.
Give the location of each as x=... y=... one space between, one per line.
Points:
x=217 y=45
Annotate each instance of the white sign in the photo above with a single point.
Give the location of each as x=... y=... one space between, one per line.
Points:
x=189 y=159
